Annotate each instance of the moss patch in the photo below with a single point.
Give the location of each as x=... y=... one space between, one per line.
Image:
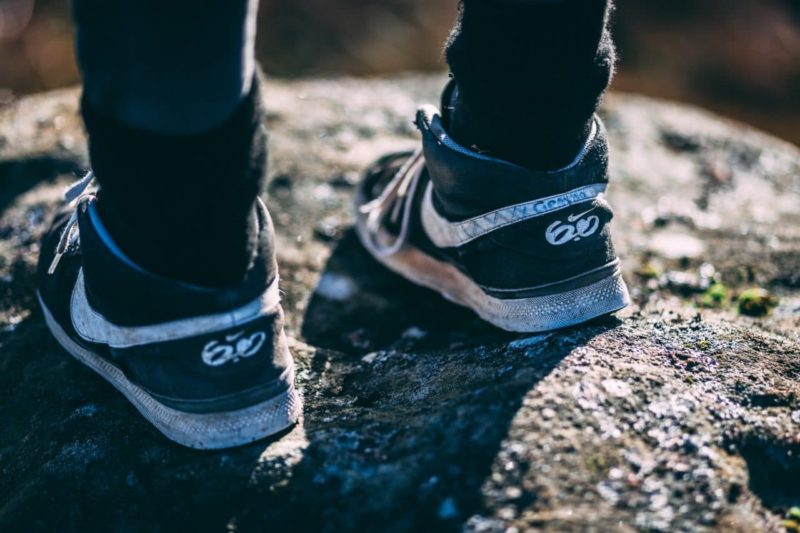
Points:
x=756 y=302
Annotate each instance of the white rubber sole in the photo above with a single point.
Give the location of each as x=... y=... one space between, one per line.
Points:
x=524 y=315
x=200 y=431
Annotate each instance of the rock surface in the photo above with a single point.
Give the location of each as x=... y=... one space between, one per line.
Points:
x=671 y=416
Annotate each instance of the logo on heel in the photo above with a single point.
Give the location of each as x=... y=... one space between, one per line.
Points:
x=233 y=348
x=576 y=228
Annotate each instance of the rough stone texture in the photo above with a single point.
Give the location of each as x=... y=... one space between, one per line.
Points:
x=668 y=417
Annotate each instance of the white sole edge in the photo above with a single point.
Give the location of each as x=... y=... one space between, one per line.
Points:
x=524 y=315
x=206 y=431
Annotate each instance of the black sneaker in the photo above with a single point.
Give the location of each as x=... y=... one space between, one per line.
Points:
x=210 y=368
x=527 y=251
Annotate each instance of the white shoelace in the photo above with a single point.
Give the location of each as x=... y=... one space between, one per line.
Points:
x=70 y=236
x=394 y=202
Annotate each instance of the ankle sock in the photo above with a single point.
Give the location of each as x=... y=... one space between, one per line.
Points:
x=182 y=206
x=530 y=75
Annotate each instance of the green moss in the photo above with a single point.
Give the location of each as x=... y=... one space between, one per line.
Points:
x=756 y=302
x=791 y=526
x=792 y=521
x=648 y=271
x=703 y=345
x=597 y=464
x=716 y=296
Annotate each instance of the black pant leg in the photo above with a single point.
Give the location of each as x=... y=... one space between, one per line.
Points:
x=167 y=66
x=530 y=75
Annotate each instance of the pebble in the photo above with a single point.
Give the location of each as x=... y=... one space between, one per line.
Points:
x=335 y=287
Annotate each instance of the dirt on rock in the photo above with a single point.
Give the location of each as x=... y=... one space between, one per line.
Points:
x=678 y=414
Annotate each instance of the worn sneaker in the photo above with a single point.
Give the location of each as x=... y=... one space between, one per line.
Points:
x=209 y=368
x=527 y=251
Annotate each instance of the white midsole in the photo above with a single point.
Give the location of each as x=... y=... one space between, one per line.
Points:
x=200 y=431
x=529 y=315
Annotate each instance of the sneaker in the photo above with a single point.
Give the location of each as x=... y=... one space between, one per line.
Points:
x=527 y=251
x=209 y=368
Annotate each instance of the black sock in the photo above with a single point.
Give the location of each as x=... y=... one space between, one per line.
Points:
x=182 y=205
x=530 y=75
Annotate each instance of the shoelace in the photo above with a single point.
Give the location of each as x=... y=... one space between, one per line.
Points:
x=395 y=201
x=70 y=236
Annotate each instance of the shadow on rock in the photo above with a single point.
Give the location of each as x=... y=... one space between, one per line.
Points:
x=404 y=437
x=20 y=175
x=360 y=306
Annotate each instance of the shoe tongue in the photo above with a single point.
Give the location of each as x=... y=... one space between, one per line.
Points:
x=467 y=183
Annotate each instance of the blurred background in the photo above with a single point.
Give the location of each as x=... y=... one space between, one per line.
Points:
x=740 y=58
